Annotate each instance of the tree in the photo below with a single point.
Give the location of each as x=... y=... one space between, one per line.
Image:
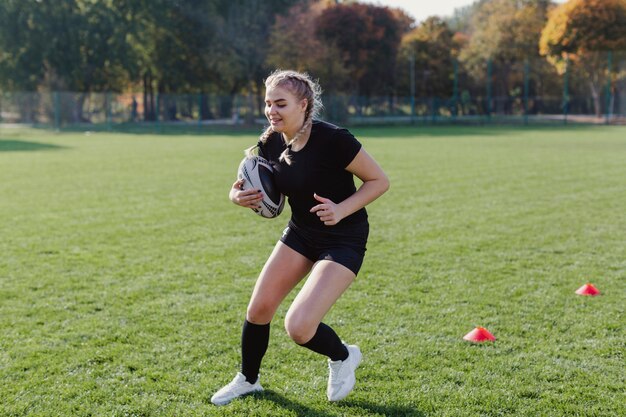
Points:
x=506 y=33
x=405 y=22
x=243 y=42
x=74 y=45
x=37 y=43
x=172 y=43
x=577 y=31
x=293 y=44
x=461 y=18
x=367 y=38
x=432 y=46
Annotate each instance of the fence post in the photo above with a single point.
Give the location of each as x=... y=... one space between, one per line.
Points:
x=57 y=113
x=608 y=88
x=157 y=112
x=566 y=91
x=107 y=99
x=412 y=78
x=235 y=115
x=526 y=70
x=199 y=109
x=489 y=69
x=455 y=88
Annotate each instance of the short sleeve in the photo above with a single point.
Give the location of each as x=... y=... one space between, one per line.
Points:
x=271 y=148
x=347 y=147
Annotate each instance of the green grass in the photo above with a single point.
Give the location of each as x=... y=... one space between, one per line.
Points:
x=125 y=274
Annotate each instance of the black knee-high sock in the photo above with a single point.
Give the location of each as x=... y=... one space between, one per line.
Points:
x=254 y=341
x=326 y=342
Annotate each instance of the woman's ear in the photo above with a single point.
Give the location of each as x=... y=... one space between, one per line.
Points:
x=304 y=103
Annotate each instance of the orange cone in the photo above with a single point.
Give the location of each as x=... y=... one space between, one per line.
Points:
x=479 y=335
x=588 y=289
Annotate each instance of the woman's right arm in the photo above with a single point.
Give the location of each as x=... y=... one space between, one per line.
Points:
x=245 y=198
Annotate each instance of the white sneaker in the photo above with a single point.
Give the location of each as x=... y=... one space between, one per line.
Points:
x=235 y=389
x=341 y=379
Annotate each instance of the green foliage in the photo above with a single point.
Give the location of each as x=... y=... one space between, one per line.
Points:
x=125 y=274
x=506 y=32
x=433 y=47
x=23 y=47
x=228 y=47
x=85 y=45
x=76 y=45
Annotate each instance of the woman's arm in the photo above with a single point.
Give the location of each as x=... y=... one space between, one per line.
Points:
x=375 y=183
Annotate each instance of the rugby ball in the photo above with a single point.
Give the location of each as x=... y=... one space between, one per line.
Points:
x=258 y=174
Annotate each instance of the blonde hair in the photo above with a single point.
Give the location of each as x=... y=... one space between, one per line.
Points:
x=302 y=86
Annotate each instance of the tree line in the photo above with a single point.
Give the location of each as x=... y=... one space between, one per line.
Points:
x=228 y=47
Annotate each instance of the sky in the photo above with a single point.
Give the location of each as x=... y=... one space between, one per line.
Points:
x=420 y=9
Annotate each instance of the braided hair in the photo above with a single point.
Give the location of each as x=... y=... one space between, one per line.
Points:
x=302 y=86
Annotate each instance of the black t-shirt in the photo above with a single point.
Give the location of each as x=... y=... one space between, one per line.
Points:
x=318 y=168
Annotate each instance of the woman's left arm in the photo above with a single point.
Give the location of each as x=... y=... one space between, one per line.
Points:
x=375 y=183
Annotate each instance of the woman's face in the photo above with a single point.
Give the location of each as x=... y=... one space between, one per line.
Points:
x=284 y=111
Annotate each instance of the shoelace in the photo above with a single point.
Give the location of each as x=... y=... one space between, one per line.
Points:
x=232 y=386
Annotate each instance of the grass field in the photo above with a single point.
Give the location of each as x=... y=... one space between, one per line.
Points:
x=125 y=274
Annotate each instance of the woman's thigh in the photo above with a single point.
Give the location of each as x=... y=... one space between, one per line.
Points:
x=327 y=282
x=283 y=270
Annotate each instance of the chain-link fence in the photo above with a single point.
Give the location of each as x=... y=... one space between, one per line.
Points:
x=67 y=109
x=517 y=93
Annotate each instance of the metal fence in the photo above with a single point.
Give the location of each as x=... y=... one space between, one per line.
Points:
x=478 y=98
x=68 y=109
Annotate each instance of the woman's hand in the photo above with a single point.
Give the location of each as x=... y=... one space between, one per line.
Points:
x=328 y=212
x=245 y=198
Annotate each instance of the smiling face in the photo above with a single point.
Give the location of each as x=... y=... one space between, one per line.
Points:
x=284 y=111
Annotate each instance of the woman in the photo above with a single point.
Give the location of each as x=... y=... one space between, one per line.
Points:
x=314 y=163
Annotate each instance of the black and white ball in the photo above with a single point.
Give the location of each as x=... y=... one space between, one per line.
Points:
x=258 y=174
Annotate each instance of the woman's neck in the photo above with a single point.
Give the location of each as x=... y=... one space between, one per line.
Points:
x=300 y=140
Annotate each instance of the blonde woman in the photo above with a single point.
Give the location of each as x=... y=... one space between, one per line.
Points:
x=314 y=163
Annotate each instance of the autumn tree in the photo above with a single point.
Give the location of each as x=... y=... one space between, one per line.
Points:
x=433 y=48
x=293 y=44
x=367 y=38
x=579 y=31
x=405 y=22
x=506 y=33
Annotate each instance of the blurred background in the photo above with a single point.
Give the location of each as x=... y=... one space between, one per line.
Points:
x=119 y=63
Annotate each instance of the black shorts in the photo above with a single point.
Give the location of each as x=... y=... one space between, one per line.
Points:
x=344 y=245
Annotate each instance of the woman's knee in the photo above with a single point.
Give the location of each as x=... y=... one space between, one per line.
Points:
x=299 y=329
x=260 y=312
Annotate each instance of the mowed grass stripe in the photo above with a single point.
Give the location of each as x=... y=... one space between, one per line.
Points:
x=126 y=272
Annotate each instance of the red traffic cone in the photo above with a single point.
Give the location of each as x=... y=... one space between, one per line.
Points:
x=479 y=335
x=588 y=289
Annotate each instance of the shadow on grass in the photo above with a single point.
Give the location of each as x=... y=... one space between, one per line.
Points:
x=386 y=410
x=287 y=404
x=304 y=411
x=11 y=145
